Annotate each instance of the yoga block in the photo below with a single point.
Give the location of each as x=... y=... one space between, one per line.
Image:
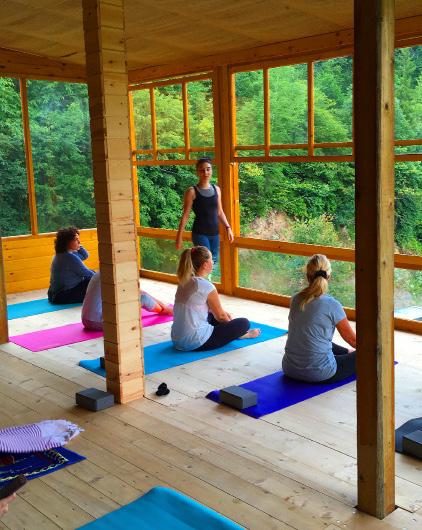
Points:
x=412 y=444
x=238 y=397
x=94 y=399
x=102 y=362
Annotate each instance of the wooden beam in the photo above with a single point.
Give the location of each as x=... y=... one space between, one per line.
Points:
x=4 y=327
x=28 y=158
x=18 y=64
x=374 y=153
x=110 y=138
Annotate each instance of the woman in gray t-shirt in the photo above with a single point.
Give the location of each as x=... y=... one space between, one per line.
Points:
x=314 y=316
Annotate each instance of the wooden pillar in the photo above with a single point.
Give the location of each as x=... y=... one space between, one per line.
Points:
x=4 y=328
x=223 y=95
x=110 y=137
x=374 y=151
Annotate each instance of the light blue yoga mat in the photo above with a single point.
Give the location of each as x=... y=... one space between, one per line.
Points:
x=34 y=307
x=161 y=356
x=163 y=508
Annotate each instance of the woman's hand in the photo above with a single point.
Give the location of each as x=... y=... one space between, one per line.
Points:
x=230 y=235
x=4 y=504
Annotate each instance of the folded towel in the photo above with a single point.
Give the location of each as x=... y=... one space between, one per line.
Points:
x=37 y=436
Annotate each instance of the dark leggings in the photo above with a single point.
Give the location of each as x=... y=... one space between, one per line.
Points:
x=71 y=296
x=346 y=364
x=224 y=332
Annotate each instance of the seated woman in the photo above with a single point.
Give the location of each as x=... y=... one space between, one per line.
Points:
x=69 y=277
x=200 y=323
x=310 y=353
x=92 y=308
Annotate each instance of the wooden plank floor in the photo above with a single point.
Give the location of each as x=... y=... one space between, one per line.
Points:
x=292 y=469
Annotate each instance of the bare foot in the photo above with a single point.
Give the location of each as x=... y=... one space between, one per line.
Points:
x=251 y=334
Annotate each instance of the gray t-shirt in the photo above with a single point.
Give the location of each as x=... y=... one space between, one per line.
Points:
x=309 y=354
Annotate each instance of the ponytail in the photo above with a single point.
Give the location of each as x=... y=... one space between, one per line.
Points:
x=190 y=262
x=318 y=271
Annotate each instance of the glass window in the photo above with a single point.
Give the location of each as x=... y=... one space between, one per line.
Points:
x=333 y=101
x=169 y=116
x=142 y=119
x=408 y=204
x=61 y=152
x=285 y=274
x=249 y=108
x=289 y=104
x=300 y=202
x=14 y=207
x=201 y=114
x=408 y=293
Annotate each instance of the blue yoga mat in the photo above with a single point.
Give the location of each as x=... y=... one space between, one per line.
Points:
x=163 y=508
x=161 y=356
x=34 y=465
x=276 y=392
x=34 y=307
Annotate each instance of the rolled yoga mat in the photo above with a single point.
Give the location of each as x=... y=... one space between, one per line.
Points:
x=34 y=307
x=163 y=508
x=277 y=391
x=161 y=356
x=47 y=339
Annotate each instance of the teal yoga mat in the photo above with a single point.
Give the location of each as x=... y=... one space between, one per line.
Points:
x=34 y=307
x=163 y=508
x=161 y=356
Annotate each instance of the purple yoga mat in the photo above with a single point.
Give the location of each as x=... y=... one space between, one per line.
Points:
x=276 y=392
x=47 y=339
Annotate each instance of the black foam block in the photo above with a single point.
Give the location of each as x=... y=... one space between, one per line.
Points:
x=238 y=397
x=406 y=428
x=412 y=444
x=94 y=399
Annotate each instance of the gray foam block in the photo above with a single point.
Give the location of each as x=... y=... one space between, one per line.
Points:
x=412 y=444
x=94 y=399
x=238 y=397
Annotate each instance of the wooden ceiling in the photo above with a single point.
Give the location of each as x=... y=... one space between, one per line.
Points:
x=170 y=31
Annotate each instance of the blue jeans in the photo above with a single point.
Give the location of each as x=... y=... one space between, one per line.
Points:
x=211 y=242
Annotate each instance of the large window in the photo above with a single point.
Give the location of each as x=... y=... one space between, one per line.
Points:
x=61 y=152
x=14 y=211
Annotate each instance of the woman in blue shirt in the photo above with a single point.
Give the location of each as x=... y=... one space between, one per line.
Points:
x=314 y=316
x=69 y=277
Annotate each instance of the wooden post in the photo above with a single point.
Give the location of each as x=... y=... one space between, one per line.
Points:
x=4 y=328
x=223 y=93
x=110 y=136
x=374 y=148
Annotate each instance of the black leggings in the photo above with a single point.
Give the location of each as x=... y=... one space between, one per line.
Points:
x=71 y=296
x=224 y=332
x=346 y=364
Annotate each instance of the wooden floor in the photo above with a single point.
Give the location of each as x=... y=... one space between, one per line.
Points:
x=292 y=469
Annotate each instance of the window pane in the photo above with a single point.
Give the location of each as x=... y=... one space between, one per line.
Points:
x=285 y=274
x=408 y=183
x=333 y=100
x=161 y=191
x=169 y=116
x=14 y=207
x=61 y=152
x=201 y=115
x=289 y=104
x=408 y=93
x=142 y=118
x=249 y=108
x=161 y=255
x=408 y=293
x=300 y=202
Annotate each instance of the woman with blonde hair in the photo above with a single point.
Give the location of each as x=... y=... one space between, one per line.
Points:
x=199 y=321
x=314 y=316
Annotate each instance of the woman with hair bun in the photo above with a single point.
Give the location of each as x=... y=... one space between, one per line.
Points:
x=199 y=321
x=310 y=353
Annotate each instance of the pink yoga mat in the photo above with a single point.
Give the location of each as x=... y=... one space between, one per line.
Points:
x=47 y=339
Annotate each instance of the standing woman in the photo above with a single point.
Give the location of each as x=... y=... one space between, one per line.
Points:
x=205 y=200
x=199 y=321
x=310 y=353
x=69 y=277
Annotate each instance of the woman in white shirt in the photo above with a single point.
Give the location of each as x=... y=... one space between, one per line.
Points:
x=200 y=322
